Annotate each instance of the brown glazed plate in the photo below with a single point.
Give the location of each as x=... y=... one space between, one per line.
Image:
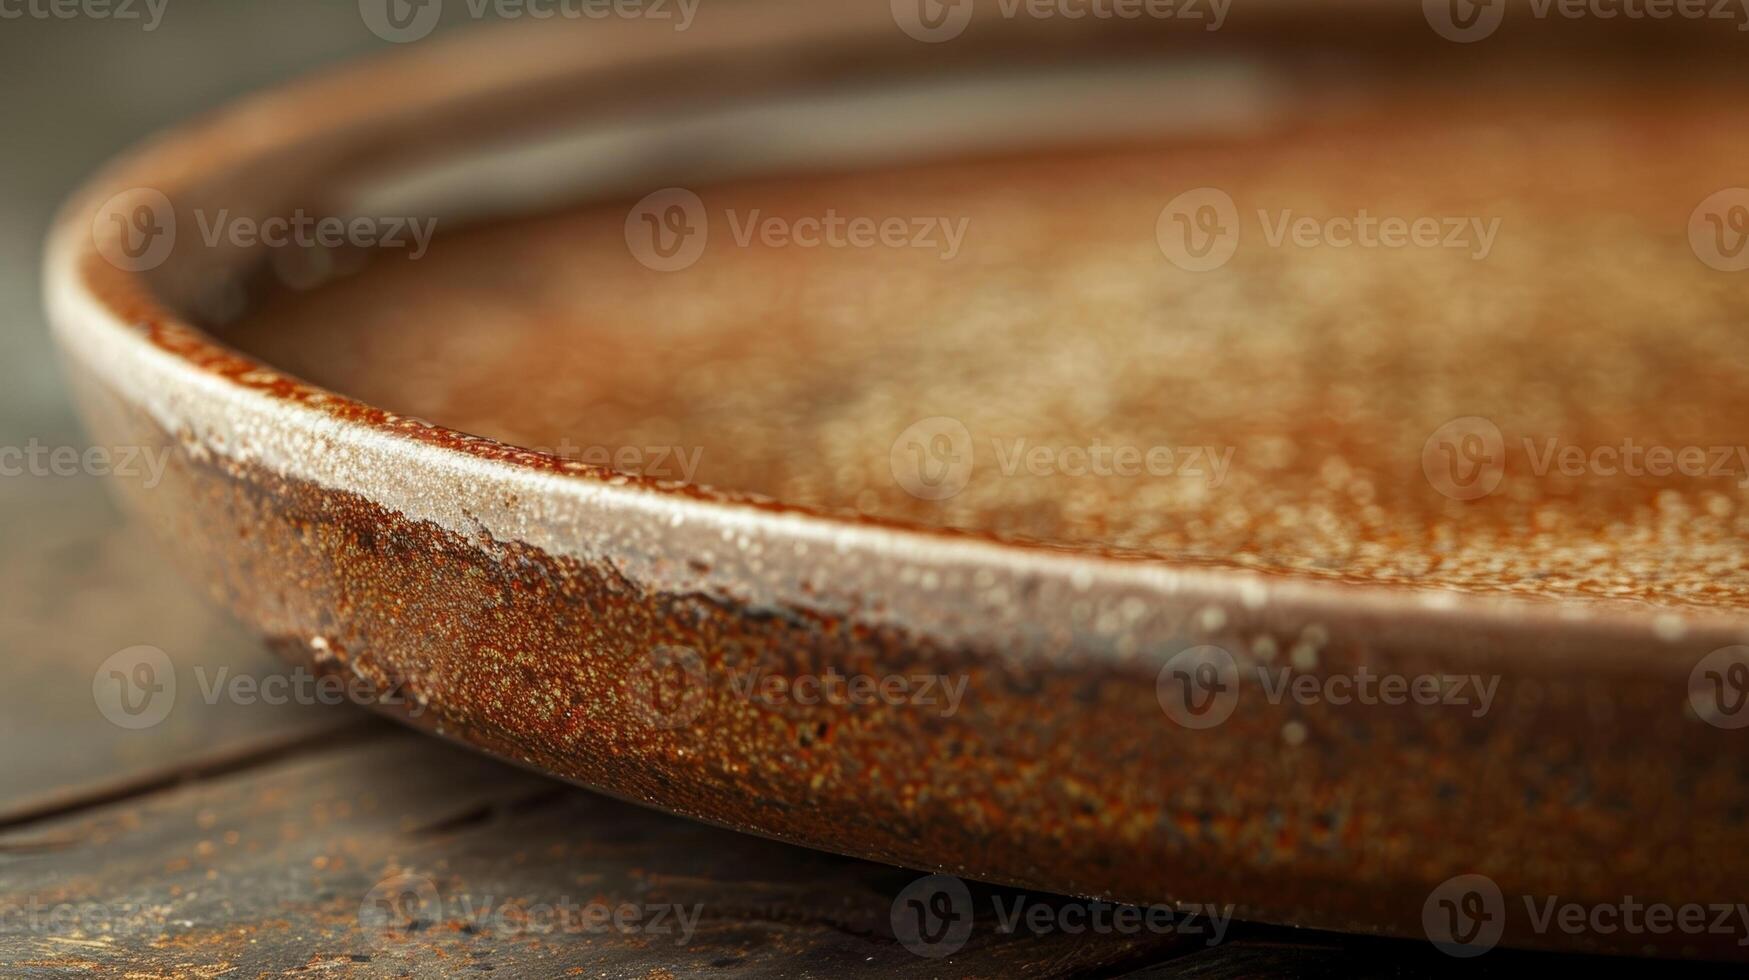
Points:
x=1294 y=465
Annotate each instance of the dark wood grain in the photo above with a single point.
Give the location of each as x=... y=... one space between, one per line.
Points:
x=265 y=871
x=77 y=584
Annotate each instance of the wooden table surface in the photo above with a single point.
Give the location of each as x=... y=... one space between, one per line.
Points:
x=254 y=840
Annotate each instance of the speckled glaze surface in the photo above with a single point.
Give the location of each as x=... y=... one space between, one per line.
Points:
x=603 y=626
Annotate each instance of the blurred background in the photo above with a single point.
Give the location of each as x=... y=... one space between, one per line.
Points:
x=76 y=583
